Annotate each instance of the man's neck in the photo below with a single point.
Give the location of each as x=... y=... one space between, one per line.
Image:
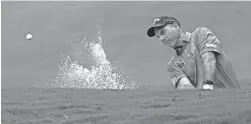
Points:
x=179 y=50
x=182 y=35
x=181 y=46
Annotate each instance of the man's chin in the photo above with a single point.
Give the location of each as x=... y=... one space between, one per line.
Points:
x=177 y=47
x=173 y=46
x=169 y=45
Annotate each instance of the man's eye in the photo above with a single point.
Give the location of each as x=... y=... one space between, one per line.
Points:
x=162 y=32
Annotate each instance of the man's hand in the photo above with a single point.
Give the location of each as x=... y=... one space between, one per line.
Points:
x=184 y=83
x=209 y=64
x=208 y=87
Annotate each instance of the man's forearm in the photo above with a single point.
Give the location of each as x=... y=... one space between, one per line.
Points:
x=209 y=64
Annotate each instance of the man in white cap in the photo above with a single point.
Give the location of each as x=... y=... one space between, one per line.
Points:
x=199 y=61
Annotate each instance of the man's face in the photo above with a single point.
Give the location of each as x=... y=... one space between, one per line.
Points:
x=168 y=35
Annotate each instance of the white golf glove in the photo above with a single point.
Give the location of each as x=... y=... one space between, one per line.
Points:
x=208 y=87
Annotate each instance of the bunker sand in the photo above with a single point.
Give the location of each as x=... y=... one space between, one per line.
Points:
x=148 y=106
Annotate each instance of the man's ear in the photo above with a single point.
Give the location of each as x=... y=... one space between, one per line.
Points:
x=175 y=24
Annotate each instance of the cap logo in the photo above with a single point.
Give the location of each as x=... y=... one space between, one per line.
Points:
x=180 y=63
x=156 y=21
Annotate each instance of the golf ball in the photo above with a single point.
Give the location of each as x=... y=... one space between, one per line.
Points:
x=28 y=36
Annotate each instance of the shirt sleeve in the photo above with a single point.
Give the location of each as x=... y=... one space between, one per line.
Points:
x=207 y=41
x=175 y=73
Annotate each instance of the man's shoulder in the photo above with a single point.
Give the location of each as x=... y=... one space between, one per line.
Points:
x=199 y=33
x=202 y=30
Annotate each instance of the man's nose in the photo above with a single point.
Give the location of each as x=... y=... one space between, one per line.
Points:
x=157 y=36
x=161 y=38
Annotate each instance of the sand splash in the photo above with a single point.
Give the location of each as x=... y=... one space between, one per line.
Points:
x=101 y=75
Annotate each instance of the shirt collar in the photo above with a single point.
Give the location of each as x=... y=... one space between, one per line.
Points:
x=187 y=37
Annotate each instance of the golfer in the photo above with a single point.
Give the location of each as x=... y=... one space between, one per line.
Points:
x=199 y=61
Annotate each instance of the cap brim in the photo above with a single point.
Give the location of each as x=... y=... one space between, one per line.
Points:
x=150 y=31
